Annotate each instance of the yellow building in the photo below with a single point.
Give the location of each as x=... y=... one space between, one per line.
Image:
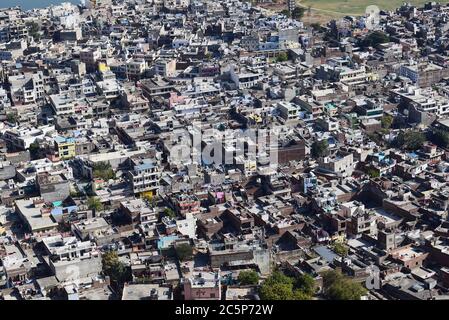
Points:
x=103 y=67
x=65 y=147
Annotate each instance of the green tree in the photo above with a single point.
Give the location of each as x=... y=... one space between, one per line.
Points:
x=336 y=286
x=103 y=170
x=410 y=140
x=306 y=284
x=440 y=138
x=208 y=56
x=282 y=57
x=300 y=295
x=316 y=26
x=375 y=38
x=94 y=203
x=319 y=148
x=373 y=173
x=168 y=212
x=115 y=269
x=298 y=13
x=151 y=199
x=387 y=121
x=286 y=13
x=34 y=150
x=248 y=277
x=33 y=30
x=281 y=287
x=143 y=280
x=340 y=249
x=184 y=251
x=373 y=136
x=12 y=117
x=276 y=291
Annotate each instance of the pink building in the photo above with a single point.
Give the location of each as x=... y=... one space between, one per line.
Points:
x=203 y=286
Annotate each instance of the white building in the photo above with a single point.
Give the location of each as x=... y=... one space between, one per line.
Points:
x=244 y=80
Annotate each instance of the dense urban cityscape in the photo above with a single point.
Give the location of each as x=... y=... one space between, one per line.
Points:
x=223 y=150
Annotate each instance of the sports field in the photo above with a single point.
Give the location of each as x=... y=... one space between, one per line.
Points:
x=355 y=7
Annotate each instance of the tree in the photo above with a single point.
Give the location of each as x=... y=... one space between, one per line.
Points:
x=306 y=284
x=336 y=286
x=34 y=149
x=298 y=13
x=375 y=38
x=94 y=203
x=103 y=170
x=208 y=56
x=316 y=26
x=115 y=269
x=11 y=117
x=282 y=57
x=386 y=121
x=151 y=199
x=33 y=30
x=373 y=136
x=169 y=213
x=249 y=277
x=143 y=280
x=184 y=251
x=440 y=138
x=277 y=291
x=319 y=148
x=340 y=249
x=373 y=173
x=281 y=287
x=286 y=13
x=410 y=140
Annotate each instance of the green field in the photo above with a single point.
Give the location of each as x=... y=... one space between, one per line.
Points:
x=355 y=7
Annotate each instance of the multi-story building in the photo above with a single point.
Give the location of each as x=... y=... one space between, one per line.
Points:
x=65 y=147
x=144 y=177
x=27 y=88
x=203 y=286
